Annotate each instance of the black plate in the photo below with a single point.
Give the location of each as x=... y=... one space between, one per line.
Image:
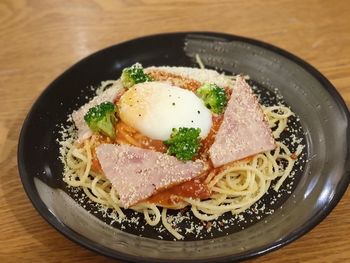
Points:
x=320 y=182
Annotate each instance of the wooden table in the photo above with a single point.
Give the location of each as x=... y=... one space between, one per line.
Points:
x=39 y=39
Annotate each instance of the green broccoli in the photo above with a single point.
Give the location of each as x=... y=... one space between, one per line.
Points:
x=101 y=118
x=213 y=97
x=184 y=143
x=133 y=75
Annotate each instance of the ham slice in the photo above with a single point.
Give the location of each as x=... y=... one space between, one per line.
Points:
x=110 y=94
x=244 y=130
x=138 y=173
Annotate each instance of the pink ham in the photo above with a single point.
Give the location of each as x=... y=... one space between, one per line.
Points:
x=138 y=173
x=244 y=131
x=109 y=94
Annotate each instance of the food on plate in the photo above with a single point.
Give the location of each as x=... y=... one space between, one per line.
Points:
x=134 y=75
x=101 y=119
x=147 y=105
x=184 y=143
x=165 y=137
x=213 y=97
x=243 y=131
x=138 y=173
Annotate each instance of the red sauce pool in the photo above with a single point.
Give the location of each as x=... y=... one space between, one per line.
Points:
x=195 y=188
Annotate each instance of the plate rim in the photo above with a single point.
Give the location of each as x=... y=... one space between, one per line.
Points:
x=44 y=212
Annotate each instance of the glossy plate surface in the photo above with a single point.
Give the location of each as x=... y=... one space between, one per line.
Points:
x=321 y=182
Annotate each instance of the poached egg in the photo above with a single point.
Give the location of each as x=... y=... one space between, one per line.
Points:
x=155 y=108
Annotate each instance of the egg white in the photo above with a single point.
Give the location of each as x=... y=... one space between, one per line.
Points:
x=155 y=108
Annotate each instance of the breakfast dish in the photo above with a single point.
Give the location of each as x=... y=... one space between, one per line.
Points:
x=167 y=138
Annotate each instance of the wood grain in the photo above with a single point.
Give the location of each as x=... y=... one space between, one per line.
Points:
x=39 y=39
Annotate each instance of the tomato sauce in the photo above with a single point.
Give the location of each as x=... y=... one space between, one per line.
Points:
x=128 y=135
x=176 y=80
x=195 y=188
x=95 y=165
x=209 y=140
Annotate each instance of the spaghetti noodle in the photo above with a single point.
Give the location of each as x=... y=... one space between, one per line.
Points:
x=234 y=188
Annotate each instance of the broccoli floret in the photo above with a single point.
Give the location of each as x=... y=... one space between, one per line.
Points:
x=184 y=143
x=133 y=75
x=101 y=118
x=213 y=97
